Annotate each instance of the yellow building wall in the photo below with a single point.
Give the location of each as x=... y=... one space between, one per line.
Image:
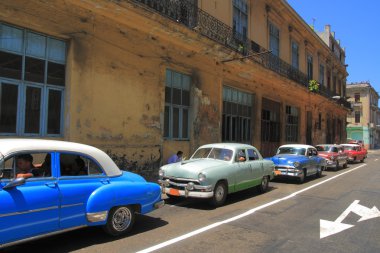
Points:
x=115 y=89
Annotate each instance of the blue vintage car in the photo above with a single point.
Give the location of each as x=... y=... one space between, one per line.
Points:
x=49 y=187
x=299 y=161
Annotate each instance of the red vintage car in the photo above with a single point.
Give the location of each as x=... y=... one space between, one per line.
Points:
x=355 y=152
x=334 y=155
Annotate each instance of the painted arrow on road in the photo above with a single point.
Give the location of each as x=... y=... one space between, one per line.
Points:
x=328 y=228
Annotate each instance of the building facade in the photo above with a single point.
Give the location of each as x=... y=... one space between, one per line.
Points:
x=363 y=121
x=142 y=79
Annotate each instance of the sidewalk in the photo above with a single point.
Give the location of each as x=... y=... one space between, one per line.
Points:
x=373 y=151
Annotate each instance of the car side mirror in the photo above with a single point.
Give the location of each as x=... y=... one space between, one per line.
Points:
x=14 y=183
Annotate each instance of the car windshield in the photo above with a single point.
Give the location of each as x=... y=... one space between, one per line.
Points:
x=291 y=151
x=323 y=147
x=349 y=148
x=213 y=153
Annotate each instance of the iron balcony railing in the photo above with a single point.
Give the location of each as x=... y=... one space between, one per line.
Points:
x=186 y=12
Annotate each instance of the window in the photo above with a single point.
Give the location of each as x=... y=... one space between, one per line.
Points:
x=357 y=116
x=310 y=67
x=291 y=127
x=274 y=39
x=334 y=84
x=357 y=97
x=252 y=155
x=30 y=165
x=78 y=165
x=177 y=105
x=321 y=74
x=295 y=55
x=237 y=115
x=240 y=19
x=328 y=80
x=32 y=81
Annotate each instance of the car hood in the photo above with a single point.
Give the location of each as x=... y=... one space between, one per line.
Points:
x=287 y=159
x=191 y=168
x=325 y=153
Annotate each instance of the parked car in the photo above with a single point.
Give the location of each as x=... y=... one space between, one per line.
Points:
x=334 y=155
x=359 y=142
x=355 y=152
x=49 y=187
x=215 y=170
x=298 y=161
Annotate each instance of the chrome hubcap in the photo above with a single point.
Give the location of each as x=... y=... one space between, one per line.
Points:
x=121 y=219
x=264 y=182
x=219 y=193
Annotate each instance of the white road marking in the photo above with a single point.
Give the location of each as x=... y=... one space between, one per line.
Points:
x=247 y=213
x=328 y=228
x=376 y=160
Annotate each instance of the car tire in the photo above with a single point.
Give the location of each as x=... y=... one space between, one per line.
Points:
x=301 y=179
x=220 y=194
x=319 y=172
x=336 y=168
x=345 y=165
x=264 y=185
x=362 y=161
x=120 y=220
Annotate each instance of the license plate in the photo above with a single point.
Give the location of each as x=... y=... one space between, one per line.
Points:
x=277 y=172
x=174 y=192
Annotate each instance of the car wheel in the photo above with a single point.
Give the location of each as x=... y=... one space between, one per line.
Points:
x=362 y=161
x=301 y=179
x=319 y=172
x=263 y=187
x=336 y=166
x=345 y=165
x=220 y=194
x=120 y=220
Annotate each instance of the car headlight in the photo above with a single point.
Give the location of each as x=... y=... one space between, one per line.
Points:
x=161 y=173
x=201 y=177
x=296 y=164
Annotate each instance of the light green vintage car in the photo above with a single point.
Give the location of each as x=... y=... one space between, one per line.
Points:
x=215 y=170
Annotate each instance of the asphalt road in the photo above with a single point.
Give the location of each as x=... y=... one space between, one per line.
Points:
x=285 y=219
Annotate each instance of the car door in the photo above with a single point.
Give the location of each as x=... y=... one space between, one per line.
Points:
x=79 y=177
x=32 y=208
x=256 y=165
x=313 y=161
x=243 y=171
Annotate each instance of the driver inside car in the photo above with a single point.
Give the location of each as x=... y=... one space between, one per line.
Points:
x=25 y=166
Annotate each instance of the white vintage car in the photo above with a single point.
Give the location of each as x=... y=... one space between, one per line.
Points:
x=215 y=170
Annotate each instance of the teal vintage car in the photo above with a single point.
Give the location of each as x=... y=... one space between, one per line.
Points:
x=215 y=170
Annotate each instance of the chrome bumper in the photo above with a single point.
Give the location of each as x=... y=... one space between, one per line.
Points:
x=287 y=172
x=330 y=164
x=191 y=194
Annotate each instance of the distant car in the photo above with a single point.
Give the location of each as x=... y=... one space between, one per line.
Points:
x=355 y=152
x=49 y=187
x=298 y=161
x=334 y=155
x=359 y=142
x=215 y=170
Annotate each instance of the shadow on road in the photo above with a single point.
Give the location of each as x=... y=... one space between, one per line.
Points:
x=82 y=238
x=203 y=204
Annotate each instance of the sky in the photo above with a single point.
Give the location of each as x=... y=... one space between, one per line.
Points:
x=356 y=24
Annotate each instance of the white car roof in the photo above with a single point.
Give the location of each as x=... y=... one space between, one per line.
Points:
x=296 y=146
x=9 y=146
x=351 y=145
x=226 y=145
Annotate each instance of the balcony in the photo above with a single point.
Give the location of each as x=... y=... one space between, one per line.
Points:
x=356 y=104
x=187 y=13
